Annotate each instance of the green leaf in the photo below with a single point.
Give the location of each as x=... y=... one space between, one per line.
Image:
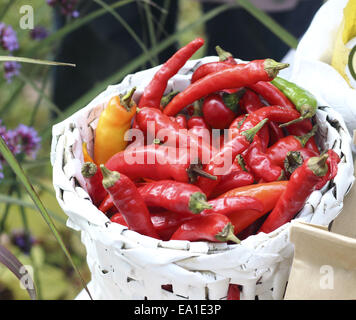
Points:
x=36 y=61
x=17 y=169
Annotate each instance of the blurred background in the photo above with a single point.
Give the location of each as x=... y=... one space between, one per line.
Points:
x=106 y=40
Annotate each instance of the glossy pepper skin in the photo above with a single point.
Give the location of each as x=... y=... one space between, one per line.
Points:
x=261 y=165
x=112 y=126
x=216 y=113
x=173 y=134
x=234 y=178
x=267 y=193
x=278 y=151
x=174 y=196
x=181 y=120
x=228 y=205
x=210 y=227
x=86 y=156
x=164 y=222
x=301 y=184
x=235 y=77
x=154 y=91
x=155 y=162
x=220 y=163
x=94 y=186
x=303 y=100
x=208 y=68
x=332 y=162
x=129 y=202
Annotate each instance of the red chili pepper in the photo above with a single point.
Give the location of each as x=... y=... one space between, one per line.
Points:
x=154 y=122
x=275 y=97
x=216 y=113
x=94 y=186
x=129 y=202
x=250 y=102
x=210 y=227
x=275 y=132
x=154 y=91
x=222 y=160
x=301 y=184
x=207 y=68
x=233 y=293
x=267 y=193
x=174 y=196
x=181 y=120
x=235 y=77
x=228 y=205
x=156 y=162
x=261 y=165
x=165 y=222
x=295 y=159
x=106 y=205
x=332 y=162
x=234 y=178
x=278 y=152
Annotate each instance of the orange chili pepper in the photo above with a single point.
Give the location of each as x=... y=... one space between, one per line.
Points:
x=113 y=123
x=87 y=157
x=267 y=193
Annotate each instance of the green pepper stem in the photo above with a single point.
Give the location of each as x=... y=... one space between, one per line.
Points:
x=167 y=98
x=198 y=203
x=272 y=67
x=227 y=234
x=304 y=138
x=109 y=177
x=200 y=172
x=223 y=55
x=318 y=165
x=250 y=133
x=241 y=162
x=307 y=112
x=126 y=100
x=89 y=169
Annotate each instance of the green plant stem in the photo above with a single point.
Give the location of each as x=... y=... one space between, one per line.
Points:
x=151 y=31
x=136 y=63
x=268 y=22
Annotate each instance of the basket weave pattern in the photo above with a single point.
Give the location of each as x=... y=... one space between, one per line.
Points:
x=127 y=265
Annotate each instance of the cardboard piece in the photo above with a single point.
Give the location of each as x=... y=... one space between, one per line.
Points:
x=324 y=264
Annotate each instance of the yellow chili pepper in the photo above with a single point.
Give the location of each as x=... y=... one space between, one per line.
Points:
x=113 y=123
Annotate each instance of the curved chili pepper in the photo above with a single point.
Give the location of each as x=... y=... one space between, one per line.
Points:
x=176 y=137
x=235 y=77
x=207 y=68
x=156 y=162
x=278 y=152
x=210 y=227
x=165 y=222
x=261 y=165
x=332 y=162
x=154 y=91
x=129 y=202
x=234 y=178
x=113 y=123
x=94 y=186
x=219 y=163
x=301 y=184
x=174 y=196
x=303 y=100
x=267 y=193
x=276 y=97
x=275 y=133
x=216 y=113
x=233 y=204
x=250 y=102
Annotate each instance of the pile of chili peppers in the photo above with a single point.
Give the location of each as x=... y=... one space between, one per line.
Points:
x=160 y=188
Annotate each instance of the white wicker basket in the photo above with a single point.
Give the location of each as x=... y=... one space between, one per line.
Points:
x=127 y=265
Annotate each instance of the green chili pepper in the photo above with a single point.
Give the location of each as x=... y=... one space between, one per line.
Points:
x=303 y=100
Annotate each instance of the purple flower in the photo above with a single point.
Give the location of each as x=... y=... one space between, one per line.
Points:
x=11 y=69
x=27 y=138
x=67 y=7
x=23 y=240
x=39 y=33
x=8 y=37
